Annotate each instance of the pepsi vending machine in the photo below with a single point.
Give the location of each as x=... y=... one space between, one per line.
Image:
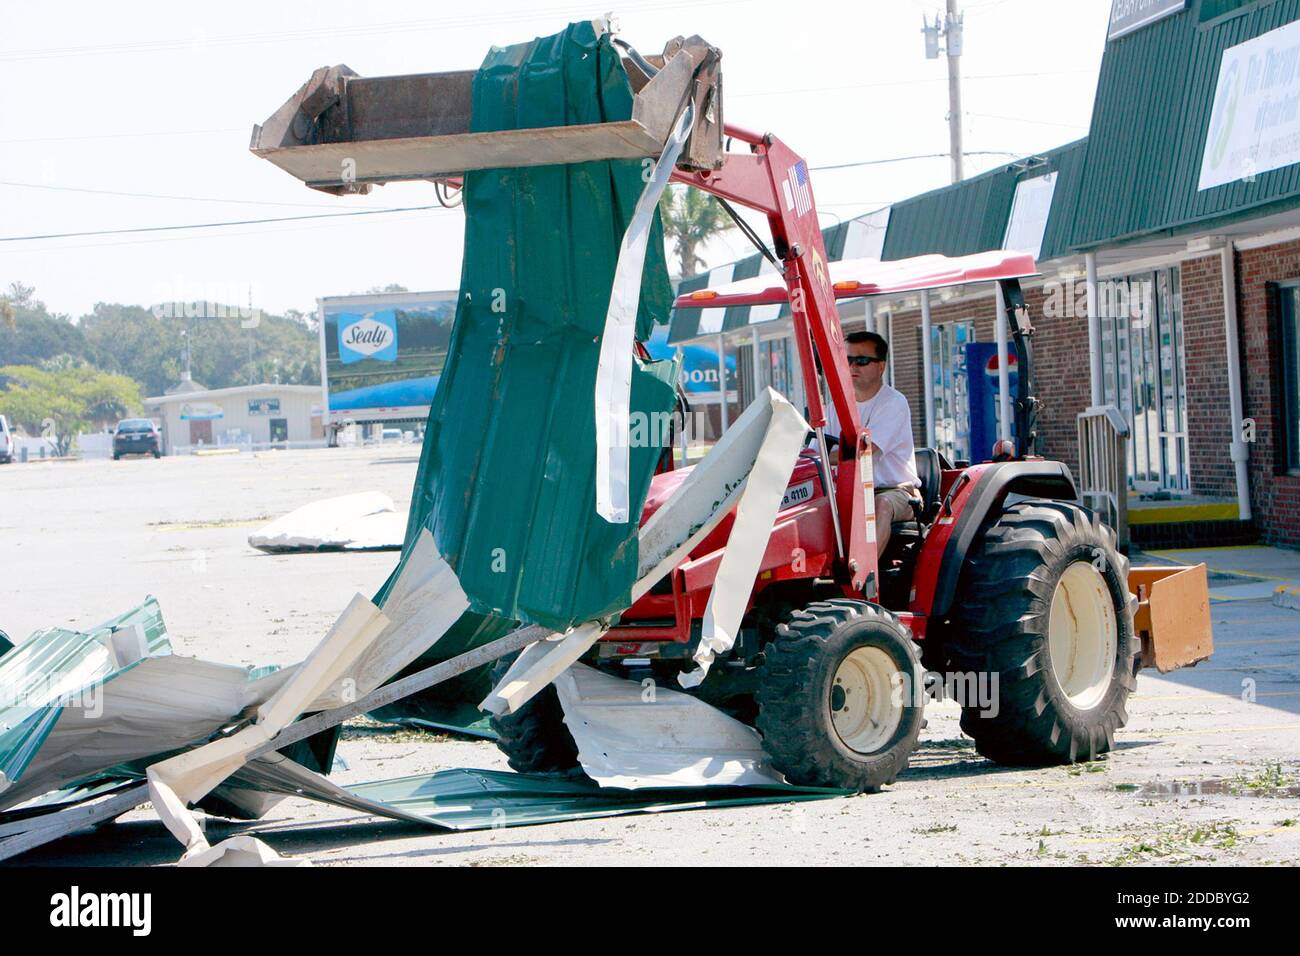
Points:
x=985 y=409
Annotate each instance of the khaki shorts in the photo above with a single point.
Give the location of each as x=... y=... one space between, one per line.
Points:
x=899 y=502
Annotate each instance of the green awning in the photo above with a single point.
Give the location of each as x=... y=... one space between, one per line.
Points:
x=856 y=238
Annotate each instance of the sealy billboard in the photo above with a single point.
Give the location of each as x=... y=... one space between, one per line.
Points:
x=382 y=354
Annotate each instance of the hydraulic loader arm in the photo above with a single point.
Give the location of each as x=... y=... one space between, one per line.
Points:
x=775 y=181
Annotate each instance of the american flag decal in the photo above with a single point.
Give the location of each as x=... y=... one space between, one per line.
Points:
x=798 y=181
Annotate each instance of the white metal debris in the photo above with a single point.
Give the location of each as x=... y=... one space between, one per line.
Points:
x=364 y=521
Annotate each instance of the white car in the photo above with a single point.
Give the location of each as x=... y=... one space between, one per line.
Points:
x=6 y=442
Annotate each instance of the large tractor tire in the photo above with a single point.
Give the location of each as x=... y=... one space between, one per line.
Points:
x=534 y=738
x=839 y=701
x=1043 y=606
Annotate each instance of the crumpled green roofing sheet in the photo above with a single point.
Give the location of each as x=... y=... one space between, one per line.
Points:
x=56 y=667
x=468 y=799
x=506 y=480
x=481 y=799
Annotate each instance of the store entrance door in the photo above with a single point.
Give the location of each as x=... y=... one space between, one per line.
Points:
x=1144 y=370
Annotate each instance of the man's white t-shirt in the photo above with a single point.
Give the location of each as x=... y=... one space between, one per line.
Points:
x=889 y=418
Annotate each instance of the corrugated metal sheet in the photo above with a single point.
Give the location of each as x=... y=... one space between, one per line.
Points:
x=738 y=316
x=1068 y=163
x=971 y=216
x=686 y=322
x=957 y=220
x=1149 y=126
x=506 y=480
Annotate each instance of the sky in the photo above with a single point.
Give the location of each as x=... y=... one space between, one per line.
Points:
x=138 y=114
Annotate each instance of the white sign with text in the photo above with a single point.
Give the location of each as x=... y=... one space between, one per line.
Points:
x=1255 y=123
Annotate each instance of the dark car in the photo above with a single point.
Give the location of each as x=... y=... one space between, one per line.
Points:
x=136 y=436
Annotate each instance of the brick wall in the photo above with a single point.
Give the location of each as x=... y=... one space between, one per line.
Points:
x=1209 y=416
x=1060 y=364
x=1275 y=498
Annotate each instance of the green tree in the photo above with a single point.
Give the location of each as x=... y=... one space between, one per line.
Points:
x=66 y=399
x=691 y=218
x=29 y=334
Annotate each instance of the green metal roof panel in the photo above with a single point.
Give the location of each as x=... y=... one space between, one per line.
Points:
x=1068 y=164
x=506 y=481
x=958 y=220
x=686 y=322
x=482 y=799
x=1150 y=121
x=737 y=316
x=57 y=668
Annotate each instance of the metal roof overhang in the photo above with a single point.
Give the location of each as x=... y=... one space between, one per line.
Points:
x=859 y=278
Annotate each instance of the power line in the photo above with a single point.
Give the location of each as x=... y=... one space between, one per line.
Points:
x=159 y=133
x=214 y=225
x=904 y=159
x=135 y=195
x=274 y=230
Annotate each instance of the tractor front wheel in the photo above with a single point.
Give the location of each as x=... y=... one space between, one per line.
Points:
x=1042 y=618
x=534 y=738
x=839 y=699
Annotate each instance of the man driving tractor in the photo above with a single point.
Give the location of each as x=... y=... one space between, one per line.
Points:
x=884 y=410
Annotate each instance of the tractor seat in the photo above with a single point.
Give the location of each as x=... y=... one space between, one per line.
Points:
x=929 y=468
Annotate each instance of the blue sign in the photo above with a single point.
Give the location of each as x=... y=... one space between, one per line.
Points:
x=369 y=336
x=982 y=378
x=699 y=364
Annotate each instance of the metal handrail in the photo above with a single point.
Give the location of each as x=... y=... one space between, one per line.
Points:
x=1103 y=467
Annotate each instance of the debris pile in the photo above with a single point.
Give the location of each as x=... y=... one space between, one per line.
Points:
x=523 y=535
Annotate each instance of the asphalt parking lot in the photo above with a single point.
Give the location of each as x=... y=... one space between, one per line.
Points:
x=1206 y=770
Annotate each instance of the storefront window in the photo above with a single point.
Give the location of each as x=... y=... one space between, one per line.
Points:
x=951 y=388
x=1144 y=375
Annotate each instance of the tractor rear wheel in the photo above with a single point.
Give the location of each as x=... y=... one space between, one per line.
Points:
x=534 y=738
x=839 y=699
x=1042 y=615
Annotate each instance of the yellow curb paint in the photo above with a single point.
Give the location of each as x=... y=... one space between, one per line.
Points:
x=1226 y=511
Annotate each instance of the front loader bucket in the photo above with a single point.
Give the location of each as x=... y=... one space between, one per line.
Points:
x=343 y=133
x=1173 y=616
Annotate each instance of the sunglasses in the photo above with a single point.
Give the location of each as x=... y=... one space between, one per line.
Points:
x=863 y=360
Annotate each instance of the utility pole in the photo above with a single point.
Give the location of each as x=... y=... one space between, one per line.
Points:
x=952 y=32
x=950 y=29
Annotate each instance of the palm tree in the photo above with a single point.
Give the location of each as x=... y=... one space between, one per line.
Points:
x=691 y=218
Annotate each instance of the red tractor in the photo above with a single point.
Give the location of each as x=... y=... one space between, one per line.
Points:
x=1001 y=585
x=1001 y=577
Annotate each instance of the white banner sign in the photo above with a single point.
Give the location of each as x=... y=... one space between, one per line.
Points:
x=1255 y=123
x=1029 y=211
